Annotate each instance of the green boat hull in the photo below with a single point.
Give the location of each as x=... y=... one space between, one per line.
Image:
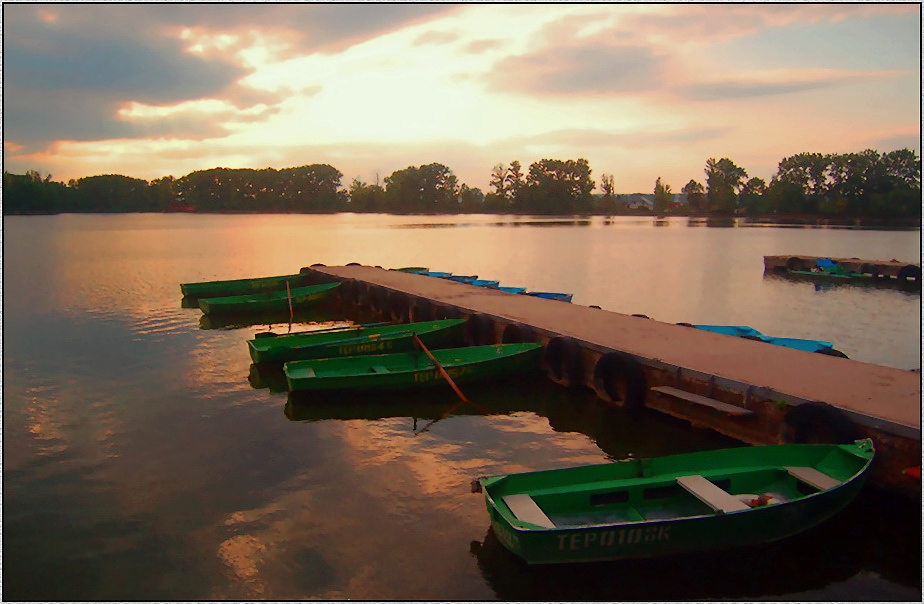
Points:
x=835 y=276
x=269 y=301
x=412 y=370
x=241 y=287
x=639 y=508
x=381 y=339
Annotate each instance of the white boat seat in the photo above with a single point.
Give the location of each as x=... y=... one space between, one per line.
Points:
x=707 y=492
x=525 y=509
x=813 y=477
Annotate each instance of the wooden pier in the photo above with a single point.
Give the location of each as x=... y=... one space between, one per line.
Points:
x=751 y=391
x=879 y=269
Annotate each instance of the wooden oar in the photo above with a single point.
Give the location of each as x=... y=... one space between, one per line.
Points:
x=441 y=369
x=445 y=375
x=289 y=296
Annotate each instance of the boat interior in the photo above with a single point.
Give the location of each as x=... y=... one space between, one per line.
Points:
x=613 y=502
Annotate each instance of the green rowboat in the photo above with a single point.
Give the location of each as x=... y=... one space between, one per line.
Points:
x=380 y=339
x=412 y=370
x=269 y=301
x=241 y=287
x=688 y=503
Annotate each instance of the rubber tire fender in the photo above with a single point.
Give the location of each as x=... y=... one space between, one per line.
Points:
x=870 y=269
x=420 y=310
x=445 y=311
x=516 y=333
x=347 y=291
x=796 y=264
x=817 y=422
x=562 y=355
x=479 y=330
x=398 y=307
x=378 y=299
x=912 y=271
x=363 y=294
x=622 y=379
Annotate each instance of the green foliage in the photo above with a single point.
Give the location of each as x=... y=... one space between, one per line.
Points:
x=556 y=187
x=429 y=189
x=607 y=202
x=31 y=194
x=886 y=185
x=696 y=197
x=751 y=198
x=663 y=198
x=471 y=200
x=365 y=197
x=723 y=179
x=867 y=184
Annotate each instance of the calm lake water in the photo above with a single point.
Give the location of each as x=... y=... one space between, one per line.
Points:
x=145 y=460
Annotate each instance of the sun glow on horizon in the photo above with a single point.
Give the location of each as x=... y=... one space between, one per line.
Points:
x=631 y=88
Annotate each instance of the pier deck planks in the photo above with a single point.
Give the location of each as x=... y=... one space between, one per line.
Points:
x=891 y=394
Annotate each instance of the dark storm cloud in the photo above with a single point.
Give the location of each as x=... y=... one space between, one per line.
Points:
x=573 y=70
x=68 y=68
x=739 y=90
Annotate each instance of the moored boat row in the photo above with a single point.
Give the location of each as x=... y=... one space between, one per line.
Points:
x=633 y=508
x=743 y=331
x=474 y=280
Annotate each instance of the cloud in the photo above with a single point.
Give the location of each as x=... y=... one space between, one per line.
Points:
x=579 y=69
x=738 y=90
x=775 y=83
x=70 y=68
x=588 y=138
x=702 y=23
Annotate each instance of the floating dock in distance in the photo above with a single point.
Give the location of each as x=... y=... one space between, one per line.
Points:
x=749 y=390
x=881 y=269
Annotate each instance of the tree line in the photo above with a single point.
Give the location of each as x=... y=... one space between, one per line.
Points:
x=865 y=184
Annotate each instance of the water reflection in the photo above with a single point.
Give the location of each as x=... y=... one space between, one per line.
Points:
x=615 y=431
x=824 y=223
x=316 y=314
x=539 y=222
x=835 y=551
x=822 y=284
x=498 y=398
x=547 y=223
x=140 y=463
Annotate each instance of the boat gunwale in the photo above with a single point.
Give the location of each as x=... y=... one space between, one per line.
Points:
x=279 y=342
x=521 y=526
x=296 y=293
x=526 y=347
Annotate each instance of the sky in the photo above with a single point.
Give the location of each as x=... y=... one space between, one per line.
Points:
x=641 y=91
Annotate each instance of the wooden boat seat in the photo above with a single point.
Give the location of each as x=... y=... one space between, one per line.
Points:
x=525 y=509
x=309 y=372
x=379 y=369
x=718 y=499
x=813 y=477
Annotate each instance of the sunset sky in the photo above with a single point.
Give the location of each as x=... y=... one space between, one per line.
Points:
x=640 y=90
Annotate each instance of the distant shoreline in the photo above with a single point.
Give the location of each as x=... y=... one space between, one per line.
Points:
x=795 y=220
